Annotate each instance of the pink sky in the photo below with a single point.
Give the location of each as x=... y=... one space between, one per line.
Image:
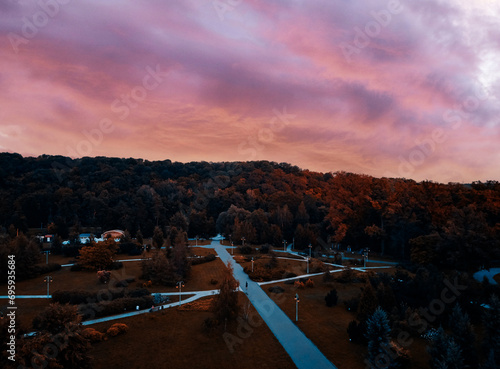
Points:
x=386 y=88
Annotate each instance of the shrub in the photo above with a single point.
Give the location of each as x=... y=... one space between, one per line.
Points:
x=317 y=266
x=276 y=289
x=92 y=335
x=345 y=276
x=265 y=249
x=204 y=259
x=147 y=284
x=328 y=277
x=130 y=248
x=300 y=285
x=73 y=297
x=309 y=283
x=104 y=276
x=245 y=250
x=331 y=298
x=116 y=329
x=138 y=292
x=209 y=325
x=124 y=282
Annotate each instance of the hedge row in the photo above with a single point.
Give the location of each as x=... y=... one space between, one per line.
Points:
x=204 y=259
x=118 y=306
x=77 y=297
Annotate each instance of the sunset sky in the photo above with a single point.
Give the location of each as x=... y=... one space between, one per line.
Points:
x=406 y=88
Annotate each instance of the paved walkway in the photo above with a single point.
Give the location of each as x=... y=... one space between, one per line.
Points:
x=303 y=352
x=488 y=273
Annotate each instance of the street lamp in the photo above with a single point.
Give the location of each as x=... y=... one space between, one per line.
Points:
x=310 y=248
x=232 y=248
x=48 y=279
x=47 y=252
x=297 y=300
x=284 y=245
x=365 y=258
x=180 y=284
x=252 y=264
x=308 y=265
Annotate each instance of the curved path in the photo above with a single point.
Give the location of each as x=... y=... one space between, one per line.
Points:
x=303 y=352
x=488 y=273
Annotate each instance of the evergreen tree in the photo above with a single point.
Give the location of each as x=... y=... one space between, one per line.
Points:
x=225 y=304
x=445 y=352
x=490 y=361
x=491 y=324
x=463 y=334
x=378 y=335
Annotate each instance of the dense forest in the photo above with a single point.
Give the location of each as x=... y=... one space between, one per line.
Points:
x=449 y=225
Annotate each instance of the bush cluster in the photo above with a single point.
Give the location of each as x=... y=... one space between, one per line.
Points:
x=202 y=260
x=117 y=306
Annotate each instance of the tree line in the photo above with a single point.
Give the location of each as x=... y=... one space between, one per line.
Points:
x=450 y=225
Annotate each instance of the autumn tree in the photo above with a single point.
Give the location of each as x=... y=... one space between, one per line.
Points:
x=158 y=269
x=54 y=318
x=225 y=304
x=158 y=238
x=60 y=343
x=98 y=256
x=180 y=255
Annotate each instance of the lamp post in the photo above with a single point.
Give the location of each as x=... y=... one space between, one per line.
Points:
x=180 y=284
x=308 y=265
x=310 y=248
x=297 y=300
x=252 y=264
x=232 y=248
x=365 y=254
x=48 y=279
x=47 y=252
x=284 y=245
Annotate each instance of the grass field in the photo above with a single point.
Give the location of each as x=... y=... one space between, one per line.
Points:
x=174 y=338
x=327 y=326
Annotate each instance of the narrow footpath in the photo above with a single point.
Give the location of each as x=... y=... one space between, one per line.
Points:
x=303 y=352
